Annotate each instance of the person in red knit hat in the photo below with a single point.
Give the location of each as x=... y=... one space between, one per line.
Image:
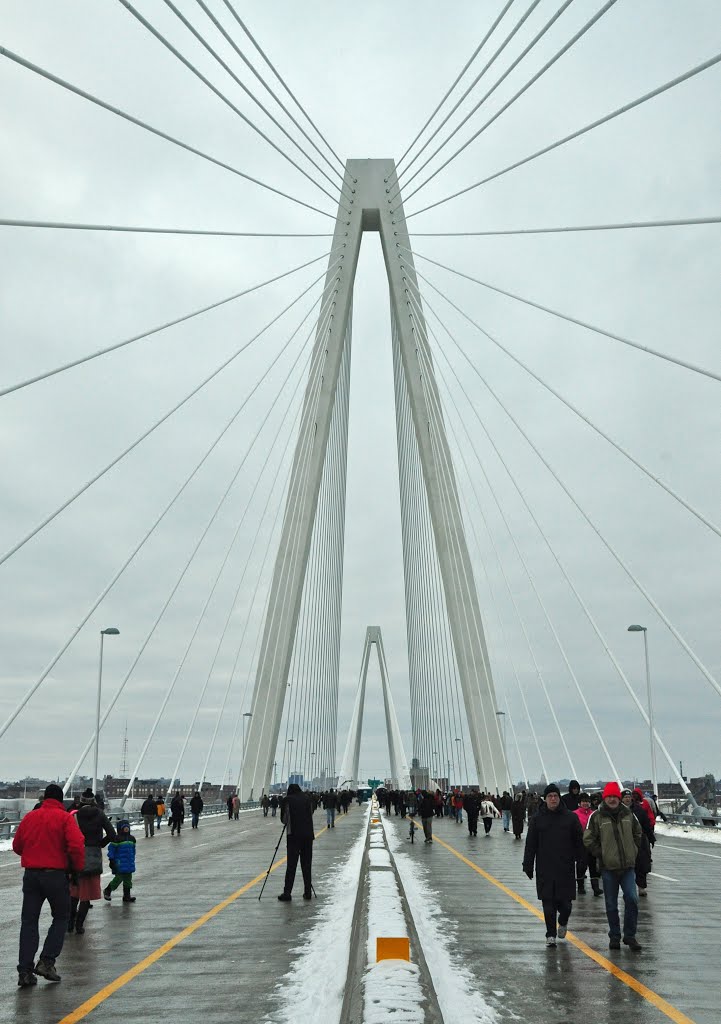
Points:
x=613 y=836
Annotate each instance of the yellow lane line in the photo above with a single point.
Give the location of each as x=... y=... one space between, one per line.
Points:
x=108 y=990
x=646 y=993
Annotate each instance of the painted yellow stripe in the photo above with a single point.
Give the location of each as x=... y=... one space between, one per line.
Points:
x=646 y=993
x=91 y=1004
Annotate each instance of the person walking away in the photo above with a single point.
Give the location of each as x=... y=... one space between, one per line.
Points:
x=613 y=836
x=265 y=804
x=572 y=798
x=489 y=811
x=330 y=804
x=426 y=810
x=296 y=813
x=236 y=807
x=506 y=808
x=273 y=805
x=229 y=805
x=583 y=812
x=196 y=807
x=518 y=814
x=648 y=839
x=48 y=842
x=159 y=812
x=472 y=805
x=553 y=845
x=85 y=885
x=149 y=812
x=121 y=855
x=177 y=813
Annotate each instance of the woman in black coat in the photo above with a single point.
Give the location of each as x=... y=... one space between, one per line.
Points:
x=97 y=832
x=553 y=845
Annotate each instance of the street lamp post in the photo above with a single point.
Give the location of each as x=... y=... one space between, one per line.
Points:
x=435 y=765
x=458 y=757
x=110 y=631
x=312 y=775
x=246 y=714
x=275 y=771
x=654 y=780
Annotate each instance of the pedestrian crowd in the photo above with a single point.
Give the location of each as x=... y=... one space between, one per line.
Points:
x=607 y=835
x=61 y=851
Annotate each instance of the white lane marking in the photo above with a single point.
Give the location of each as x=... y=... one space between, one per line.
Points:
x=655 y=874
x=11 y=864
x=198 y=845
x=682 y=849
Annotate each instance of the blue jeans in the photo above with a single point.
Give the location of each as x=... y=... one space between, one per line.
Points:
x=627 y=883
x=330 y=817
x=506 y=819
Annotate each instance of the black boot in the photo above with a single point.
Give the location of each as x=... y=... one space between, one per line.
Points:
x=127 y=898
x=596 y=886
x=26 y=979
x=581 y=882
x=80 y=917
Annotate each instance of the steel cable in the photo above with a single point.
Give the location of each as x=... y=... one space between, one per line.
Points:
x=704 y=66
x=17 y=59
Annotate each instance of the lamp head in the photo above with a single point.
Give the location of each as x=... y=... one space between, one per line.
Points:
x=110 y=631
x=636 y=629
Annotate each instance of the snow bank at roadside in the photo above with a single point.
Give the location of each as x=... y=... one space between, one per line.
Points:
x=694 y=832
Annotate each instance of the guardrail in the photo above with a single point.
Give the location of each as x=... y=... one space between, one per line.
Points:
x=685 y=818
x=9 y=824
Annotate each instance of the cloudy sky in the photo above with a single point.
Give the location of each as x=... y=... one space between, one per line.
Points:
x=370 y=77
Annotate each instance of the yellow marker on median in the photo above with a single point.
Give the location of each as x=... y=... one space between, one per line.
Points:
x=393 y=948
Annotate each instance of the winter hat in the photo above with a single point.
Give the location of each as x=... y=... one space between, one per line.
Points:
x=123 y=826
x=53 y=792
x=637 y=793
x=88 y=797
x=625 y=792
x=551 y=788
x=612 y=789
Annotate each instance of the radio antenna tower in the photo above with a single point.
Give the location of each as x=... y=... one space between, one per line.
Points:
x=124 y=758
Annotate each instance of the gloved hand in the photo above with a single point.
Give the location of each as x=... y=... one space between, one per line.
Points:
x=652 y=840
x=528 y=872
x=113 y=866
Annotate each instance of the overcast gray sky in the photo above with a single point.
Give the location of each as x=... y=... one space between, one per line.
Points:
x=369 y=76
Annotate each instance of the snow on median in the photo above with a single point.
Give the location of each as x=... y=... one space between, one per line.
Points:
x=455 y=984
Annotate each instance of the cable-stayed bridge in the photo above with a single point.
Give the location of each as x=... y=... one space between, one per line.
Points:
x=218 y=441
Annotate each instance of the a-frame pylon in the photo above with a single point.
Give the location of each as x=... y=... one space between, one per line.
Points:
x=373 y=206
x=349 y=770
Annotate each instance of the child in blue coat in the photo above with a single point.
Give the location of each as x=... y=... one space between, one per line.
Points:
x=121 y=855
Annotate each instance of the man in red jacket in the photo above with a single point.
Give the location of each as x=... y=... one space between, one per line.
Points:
x=49 y=844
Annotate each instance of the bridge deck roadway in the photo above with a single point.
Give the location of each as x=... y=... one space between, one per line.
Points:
x=227 y=969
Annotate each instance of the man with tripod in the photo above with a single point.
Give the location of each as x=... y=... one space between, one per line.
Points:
x=296 y=813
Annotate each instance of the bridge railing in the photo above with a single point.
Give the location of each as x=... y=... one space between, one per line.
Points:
x=10 y=820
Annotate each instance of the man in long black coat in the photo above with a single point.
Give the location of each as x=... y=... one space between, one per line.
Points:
x=296 y=813
x=553 y=845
